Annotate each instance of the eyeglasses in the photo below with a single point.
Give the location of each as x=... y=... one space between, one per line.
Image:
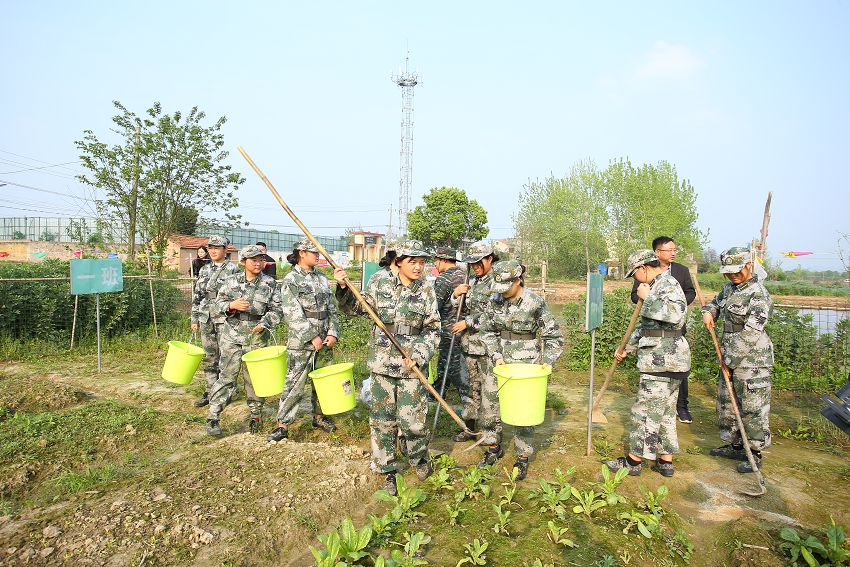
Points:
x=666 y=249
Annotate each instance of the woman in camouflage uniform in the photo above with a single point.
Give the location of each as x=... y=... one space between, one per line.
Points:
x=313 y=330
x=663 y=359
x=407 y=305
x=509 y=331
x=251 y=303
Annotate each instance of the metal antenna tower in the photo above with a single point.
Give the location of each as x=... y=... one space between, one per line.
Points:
x=407 y=80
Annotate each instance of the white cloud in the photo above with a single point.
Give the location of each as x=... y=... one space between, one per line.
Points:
x=666 y=60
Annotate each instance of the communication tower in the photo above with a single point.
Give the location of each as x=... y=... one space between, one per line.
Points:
x=407 y=80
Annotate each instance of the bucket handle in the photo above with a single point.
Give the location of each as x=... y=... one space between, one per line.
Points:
x=508 y=379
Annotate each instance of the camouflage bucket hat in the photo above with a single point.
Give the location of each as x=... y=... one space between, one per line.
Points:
x=250 y=252
x=306 y=244
x=218 y=241
x=477 y=251
x=637 y=259
x=412 y=248
x=733 y=260
x=505 y=273
x=446 y=253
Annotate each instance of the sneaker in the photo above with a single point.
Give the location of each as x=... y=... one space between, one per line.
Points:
x=255 y=422
x=324 y=423
x=423 y=469
x=685 y=415
x=745 y=467
x=204 y=401
x=491 y=455
x=729 y=452
x=389 y=484
x=664 y=468
x=278 y=434
x=213 y=427
x=521 y=465
x=622 y=463
x=464 y=435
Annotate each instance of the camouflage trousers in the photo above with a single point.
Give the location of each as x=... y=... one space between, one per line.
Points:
x=653 y=430
x=456 y=376
x=752 y=392
x=209 y=332
x=485 y=399
x=299 y=364
x=224 y=388
x=397 y=404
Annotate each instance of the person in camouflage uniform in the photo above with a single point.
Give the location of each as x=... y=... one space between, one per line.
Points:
x=663 y=359
x=745 y=304
x=445 y=260
x=204 y=319
x=313 y=330
x=407 y=305
x=251 y=303
x=485 y=410
x=509 y=330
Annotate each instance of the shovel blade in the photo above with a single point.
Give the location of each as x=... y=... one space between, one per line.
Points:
x=598 y=417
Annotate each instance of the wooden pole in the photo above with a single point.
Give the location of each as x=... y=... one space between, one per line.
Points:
x=598 y=416
x=74 y=320
x=765 y=221
x=153 y=302
x=360 y=299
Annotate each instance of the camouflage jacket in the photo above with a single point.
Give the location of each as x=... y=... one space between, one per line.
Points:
x=264 y=307
x=745 y=309
x=309 y=308
x=523 y=315
x=476 y=303
x=210 y=279
x=413 y=306
x=664 y=309
x=444 y=286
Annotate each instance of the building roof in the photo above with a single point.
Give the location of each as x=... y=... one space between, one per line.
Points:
x=367 y=233
x=195 y=242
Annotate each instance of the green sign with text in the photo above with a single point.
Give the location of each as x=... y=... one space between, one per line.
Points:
x=593 y=308
x=96 y=276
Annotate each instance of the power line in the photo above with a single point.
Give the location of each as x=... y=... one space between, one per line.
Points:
x=38 y=160
x=4 y=182
x=35 y=168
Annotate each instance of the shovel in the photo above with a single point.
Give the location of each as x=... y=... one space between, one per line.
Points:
x=596 y=415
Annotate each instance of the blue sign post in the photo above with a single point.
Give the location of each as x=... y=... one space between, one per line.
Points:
x=592 y=320
x=96 y=277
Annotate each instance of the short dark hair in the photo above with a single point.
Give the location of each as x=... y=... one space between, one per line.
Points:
x=661 y=241
x=653 y=264
x=387 y=259
x=263 y=244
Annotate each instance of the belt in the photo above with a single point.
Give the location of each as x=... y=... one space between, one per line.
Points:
x=403 y=330
x=249 y=316
x=320 y=315
x=509 y=335
x=732 y=327
x=674 y=333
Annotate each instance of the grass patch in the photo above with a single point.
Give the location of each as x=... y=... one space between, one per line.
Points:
x=72 y=482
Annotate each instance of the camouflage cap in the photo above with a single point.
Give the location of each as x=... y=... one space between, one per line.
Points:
x=217 y=240
x=637 y=259
x=250 y=252
x=446 y=253
x=477 y=251
x=505 y=273
x=306 y=244
x=733 y=260
x=412 y=248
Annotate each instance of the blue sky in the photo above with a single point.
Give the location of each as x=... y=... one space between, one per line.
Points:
x=744 y=98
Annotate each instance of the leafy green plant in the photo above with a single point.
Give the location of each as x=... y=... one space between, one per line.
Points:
x=588 y=501
x=342 y=547
x=382 y=528
x=328 y=557
x=607 y=561
x=609 y=484
x=440 y=479
x=652 y=500
x=678 y=544
x=455 y=513
x=409 y=556
x=503 y=517
x=556 y=535
x=475 y=553
x=405 y=502
x=476 y=482
x=646 y=523
x=563 y=480
x=550 y=497
x=507 y=498
x=538 y=563
x=835 y=551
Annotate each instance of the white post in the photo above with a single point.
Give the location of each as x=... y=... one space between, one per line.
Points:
x=97 y=308
x=590 y=392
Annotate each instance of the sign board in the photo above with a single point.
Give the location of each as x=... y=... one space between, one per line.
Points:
x=369 y=268
x=593 y=307
x=96 y=276
x=370 y=240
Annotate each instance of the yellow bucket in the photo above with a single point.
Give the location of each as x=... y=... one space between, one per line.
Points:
x=181 y=362
x=267 y=369
x=522 y=393
x=432 y=370
x=335 y=387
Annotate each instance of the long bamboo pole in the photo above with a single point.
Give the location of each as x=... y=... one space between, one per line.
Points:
x=360 y=299
x=598 y=416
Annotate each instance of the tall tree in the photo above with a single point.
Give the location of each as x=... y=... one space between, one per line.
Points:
x=164 y=166
x=447 y=218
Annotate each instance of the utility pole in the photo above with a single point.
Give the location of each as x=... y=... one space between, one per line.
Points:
x=134 y=200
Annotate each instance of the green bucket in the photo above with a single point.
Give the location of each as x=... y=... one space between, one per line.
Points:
x=335 y=387
x=522 y=393
x=267 y=369
x=432 y=370
x=181 y=362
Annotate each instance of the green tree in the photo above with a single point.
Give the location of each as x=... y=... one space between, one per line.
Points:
x=447 y=218
x=163 y=165
x=186 y=221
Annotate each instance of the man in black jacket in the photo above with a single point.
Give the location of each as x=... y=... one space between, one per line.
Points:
x=665 y=248
x=271 y=266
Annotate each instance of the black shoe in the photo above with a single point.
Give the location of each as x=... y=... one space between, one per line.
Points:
x=204 y=401
x=685 y=415
x=745 y=467
x=491 y=455
x=278 y=434
x=623 y=463
x=664 y=468
x=213 y=427
x=423 y=469
x=255 y=422
x=463 y=435
x=521 y=465
x=729 y=452
x=389 y=484
x=324 y=423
